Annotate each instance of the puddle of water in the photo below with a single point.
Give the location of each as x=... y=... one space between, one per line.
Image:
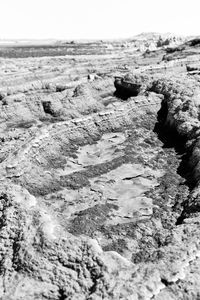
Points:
x=125 y=187
x=107 y=148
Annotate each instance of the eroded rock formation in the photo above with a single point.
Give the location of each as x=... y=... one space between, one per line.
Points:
x=99 y=189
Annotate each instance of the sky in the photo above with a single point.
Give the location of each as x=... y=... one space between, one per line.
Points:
x=96 y=19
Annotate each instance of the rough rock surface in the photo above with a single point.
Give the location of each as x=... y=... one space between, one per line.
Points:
x=99 y=189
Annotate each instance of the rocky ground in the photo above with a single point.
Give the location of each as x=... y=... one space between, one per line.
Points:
x=99 y=172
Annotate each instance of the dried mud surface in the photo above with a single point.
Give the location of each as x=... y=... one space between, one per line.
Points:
x=100 y=184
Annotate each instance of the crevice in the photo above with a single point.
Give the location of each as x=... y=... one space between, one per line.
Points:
x=170 y=138
x=132 y=177
x=62 y=294
x=180 y=219
x=166 y=282
x=95 y=279
x=48 y=109
x=122 y=95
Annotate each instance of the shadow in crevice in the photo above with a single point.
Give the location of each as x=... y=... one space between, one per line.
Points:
x=123 y=95
x=170 y=138
x=61 y=294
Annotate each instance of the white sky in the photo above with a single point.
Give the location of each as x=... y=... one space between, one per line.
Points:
x=71 y=19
